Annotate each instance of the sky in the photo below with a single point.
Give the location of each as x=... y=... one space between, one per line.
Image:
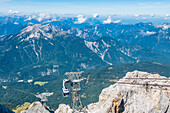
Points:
x=105 y=7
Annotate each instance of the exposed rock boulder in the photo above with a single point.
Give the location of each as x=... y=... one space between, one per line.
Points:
x=20 y=108
x=64 y=109
x=130 y=95
x=37 y=107
x=137 y=92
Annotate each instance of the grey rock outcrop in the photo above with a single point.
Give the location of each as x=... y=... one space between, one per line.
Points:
x=130 y=95
x=137 y=92
x=37 y=107
x=64 y=109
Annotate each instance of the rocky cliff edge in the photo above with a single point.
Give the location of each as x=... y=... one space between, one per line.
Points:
x=137 y=92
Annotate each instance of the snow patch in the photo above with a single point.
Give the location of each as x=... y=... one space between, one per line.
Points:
x=164 y=26
x=150 y=32
x=107 y=45
x=79 y=33
x=117 y=21
x=147 y=33
x=16 y=23
x=37 y=30
x=29 y=18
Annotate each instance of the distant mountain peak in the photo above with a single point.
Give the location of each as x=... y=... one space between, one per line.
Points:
x=8 y=20
x=37 y=31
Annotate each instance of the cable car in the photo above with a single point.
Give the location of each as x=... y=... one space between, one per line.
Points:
x=65 y=91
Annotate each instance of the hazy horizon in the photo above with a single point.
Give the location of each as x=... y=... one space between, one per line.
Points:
x=102 y=7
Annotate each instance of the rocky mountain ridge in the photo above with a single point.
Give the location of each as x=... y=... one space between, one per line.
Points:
x=153 y=36
x=28 y=88
x=128 y=96
x=44 y=49
x=136 y=92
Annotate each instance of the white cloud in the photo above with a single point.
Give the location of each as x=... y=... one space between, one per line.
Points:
x=40 y=17
x=152 y=15
x=143 y=15
x=143 y=18
x=117 y=21
x=43 y=16
x=136 y=15
x=167 y=15
x=95 y=15
x=108 y=21
x=13 y=12
x=167 y=18
x=80 y=19
x=31 y=17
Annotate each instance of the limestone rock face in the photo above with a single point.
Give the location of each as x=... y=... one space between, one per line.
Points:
x=36 y=107
x=22 y=107
x=64 y=109
x=131 y=95
x=137 y=92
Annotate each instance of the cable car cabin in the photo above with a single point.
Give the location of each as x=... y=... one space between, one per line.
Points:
x=65 y=92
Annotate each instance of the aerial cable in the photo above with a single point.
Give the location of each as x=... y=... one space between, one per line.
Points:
x=134 y=78
x=135 y=84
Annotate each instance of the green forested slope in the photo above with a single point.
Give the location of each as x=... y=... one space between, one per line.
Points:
x=16 y=93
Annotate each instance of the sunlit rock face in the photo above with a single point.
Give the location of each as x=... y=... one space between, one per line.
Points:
x=37 y=107
x=130 y=98
x=137 y=92
x=64 y=109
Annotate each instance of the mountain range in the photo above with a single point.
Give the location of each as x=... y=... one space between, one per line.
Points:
x=44 y=49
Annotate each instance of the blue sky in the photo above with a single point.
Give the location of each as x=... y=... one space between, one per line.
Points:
x=122 y=7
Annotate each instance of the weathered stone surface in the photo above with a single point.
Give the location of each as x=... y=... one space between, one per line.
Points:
x=137 y=92
x=141 y=98
x=36 y=107
x=64 y=109
x=23 y=107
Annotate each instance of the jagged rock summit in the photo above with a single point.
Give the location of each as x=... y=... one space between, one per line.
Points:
x=137 y=92
x=37 y=107
x=64 y=109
